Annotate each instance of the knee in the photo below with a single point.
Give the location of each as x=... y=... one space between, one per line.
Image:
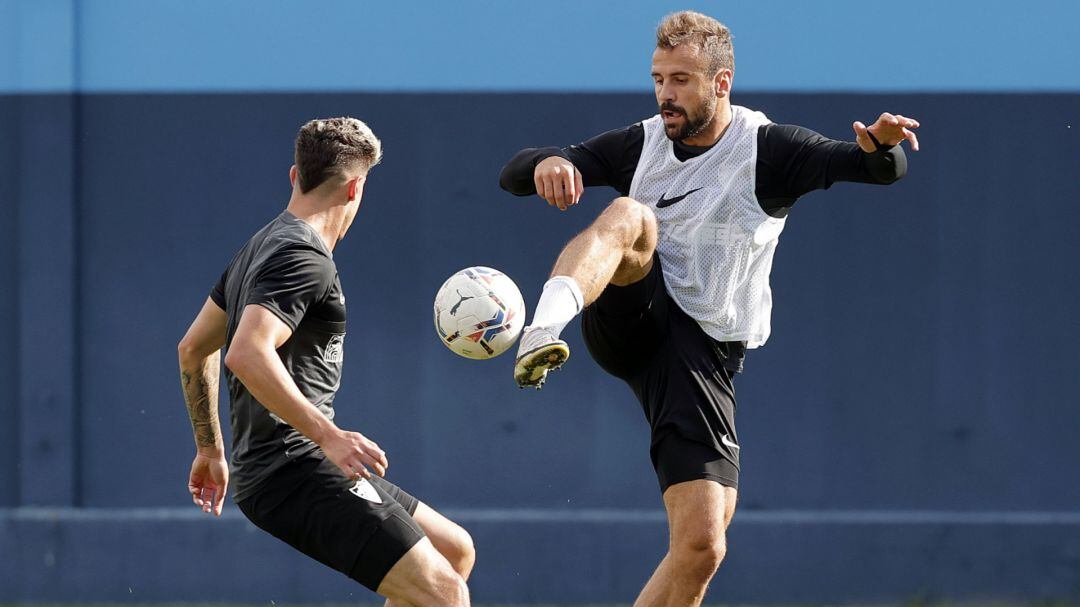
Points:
x=455 y=592
x=631 y=222
x=447 y=589
x=701 y=555
x=460 y=552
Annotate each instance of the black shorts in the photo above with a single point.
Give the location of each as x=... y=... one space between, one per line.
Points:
x=680 y=375
x=358 y=528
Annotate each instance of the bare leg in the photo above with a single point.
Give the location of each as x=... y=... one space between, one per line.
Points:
x=698 y=515
x=449 y=539
x=423 y=578
x=616 y=249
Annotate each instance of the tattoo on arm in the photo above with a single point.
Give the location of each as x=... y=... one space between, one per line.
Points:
x=201 y=395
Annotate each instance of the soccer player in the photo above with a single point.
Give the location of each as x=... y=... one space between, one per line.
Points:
x=673 y=276
x=279 y=312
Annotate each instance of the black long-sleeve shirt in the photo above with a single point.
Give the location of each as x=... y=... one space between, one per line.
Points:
x=791 y=161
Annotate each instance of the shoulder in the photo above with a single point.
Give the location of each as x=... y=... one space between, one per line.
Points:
x=297 y=258
x=650 y=124
x=748 y=117
x=792 y=133
x=292 y=238
x=618 y=138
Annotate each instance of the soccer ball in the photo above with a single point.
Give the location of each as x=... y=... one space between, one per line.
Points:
x=479 y=312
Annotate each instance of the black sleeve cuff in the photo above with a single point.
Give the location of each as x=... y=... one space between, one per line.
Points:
x=517 y=176
x=542 y=154
x=887 y=164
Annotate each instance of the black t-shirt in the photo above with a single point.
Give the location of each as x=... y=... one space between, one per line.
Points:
x=287 y=269
x=791 y=161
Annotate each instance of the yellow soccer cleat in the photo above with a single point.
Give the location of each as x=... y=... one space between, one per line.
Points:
x=539 y=352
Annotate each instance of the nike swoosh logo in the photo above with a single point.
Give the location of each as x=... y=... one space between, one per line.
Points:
x=667 y=202
x=727 y=441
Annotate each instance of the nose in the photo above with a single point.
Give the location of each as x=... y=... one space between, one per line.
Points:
x=666 y=93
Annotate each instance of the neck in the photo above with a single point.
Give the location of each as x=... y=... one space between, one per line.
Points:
x=328 y=219
x=715 y=130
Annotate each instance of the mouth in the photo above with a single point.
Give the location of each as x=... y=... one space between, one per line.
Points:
x=670 y=116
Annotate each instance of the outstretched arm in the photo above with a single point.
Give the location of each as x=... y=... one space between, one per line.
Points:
x=200 y=358
x=793 y=160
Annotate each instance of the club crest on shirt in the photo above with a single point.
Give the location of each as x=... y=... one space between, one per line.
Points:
x=335 y=350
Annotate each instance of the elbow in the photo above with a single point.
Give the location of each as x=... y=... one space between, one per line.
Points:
x=239 y=360
x=188 y=352
x=194 y=353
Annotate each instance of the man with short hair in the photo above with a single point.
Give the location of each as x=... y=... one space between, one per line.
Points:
x=279 y=312
x=673 y=276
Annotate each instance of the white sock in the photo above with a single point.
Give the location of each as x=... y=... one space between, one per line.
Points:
x=560 y=301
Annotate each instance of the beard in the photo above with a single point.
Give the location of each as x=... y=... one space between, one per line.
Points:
x=695 y=122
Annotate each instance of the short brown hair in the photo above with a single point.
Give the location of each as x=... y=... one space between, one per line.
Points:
x=327 y=146
x=710 y=36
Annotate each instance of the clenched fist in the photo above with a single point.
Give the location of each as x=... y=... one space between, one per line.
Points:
x=558 y=182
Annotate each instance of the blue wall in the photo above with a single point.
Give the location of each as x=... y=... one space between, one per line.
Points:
x=9 y=189
x=922 y=316
x=921 y=366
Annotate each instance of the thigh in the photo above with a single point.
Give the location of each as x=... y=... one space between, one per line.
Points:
x=688 y=393
x=625 y=326
x=678 y=459
x=699 y=511
x=399 y=495
x=447 y=536
x=355 y=527
x=444 y=533
x=420 y=577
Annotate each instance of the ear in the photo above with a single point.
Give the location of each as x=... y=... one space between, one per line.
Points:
x=723 y=82
x=293 y=174
x=356 y=188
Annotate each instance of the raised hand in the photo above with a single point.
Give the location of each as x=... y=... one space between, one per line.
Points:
x=890 y=129
x=558 y=182
x=208 y=482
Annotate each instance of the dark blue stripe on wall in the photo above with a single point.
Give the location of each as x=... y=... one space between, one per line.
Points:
x=46 y=301
x=250 y=45
x=923 y=317
x=9 y=240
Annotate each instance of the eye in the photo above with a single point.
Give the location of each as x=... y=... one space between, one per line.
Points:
x=680 y=80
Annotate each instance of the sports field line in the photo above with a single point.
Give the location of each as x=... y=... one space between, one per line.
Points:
x=596 y=515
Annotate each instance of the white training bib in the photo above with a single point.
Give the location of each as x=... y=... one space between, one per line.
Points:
x=716 y=243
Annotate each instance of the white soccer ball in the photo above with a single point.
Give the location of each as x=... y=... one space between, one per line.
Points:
x=479 y=312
